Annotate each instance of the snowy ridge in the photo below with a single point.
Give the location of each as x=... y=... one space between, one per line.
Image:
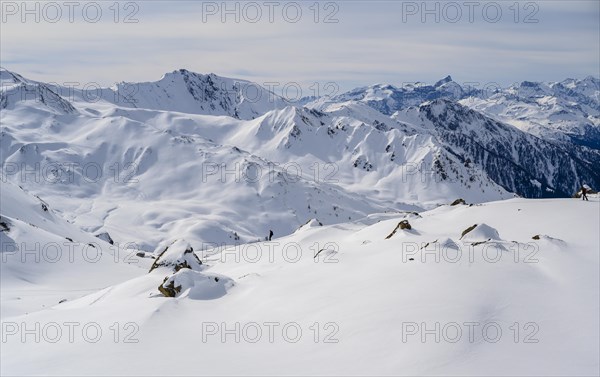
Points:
x=518 y=161
x=46 y=259
x=566 y=112
x=189 y=92
x=16 y=91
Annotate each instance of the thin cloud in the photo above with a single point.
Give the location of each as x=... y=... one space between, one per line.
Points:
x=370 y=43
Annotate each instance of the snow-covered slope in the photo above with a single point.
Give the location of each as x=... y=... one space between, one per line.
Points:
x=145 y=175
x=17 y=91
x=46 y=259
x=133 y=226
x=502 y=288
x=567 y=112
x=516 y=160
x=193 y=157
x=146 y=181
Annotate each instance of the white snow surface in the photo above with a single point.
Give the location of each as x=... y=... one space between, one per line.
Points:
x=148 y=175
x=331 y=294
x=362 y=290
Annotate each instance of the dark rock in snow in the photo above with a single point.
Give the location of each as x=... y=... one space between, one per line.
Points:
x=105 y=237
x=4 y=227
x=169 y=290
x=178 y=255
x=468 y=230
x=404 y=224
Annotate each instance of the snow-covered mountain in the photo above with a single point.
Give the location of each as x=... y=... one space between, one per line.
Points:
x=137 y=216
x=191 y=155
x=188 y=92
x=518 y=161
x=285 y=167
x=566 y=112
x=18 y=91
x=388 y=99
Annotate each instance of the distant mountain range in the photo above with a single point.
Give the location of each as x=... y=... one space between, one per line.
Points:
x=214 y=159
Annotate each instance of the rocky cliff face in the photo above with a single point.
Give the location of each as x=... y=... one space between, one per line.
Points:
x=519 y=162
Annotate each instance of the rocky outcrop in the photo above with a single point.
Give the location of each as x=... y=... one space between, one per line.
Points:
x=176 y=256
x=404 y=224
x=185 y=276
x=480 y=233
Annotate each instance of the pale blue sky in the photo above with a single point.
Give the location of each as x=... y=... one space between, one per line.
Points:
x=372 y=42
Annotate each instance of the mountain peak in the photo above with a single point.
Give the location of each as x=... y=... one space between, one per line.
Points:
x=591 y=79
x=443 y=81
x=8 y=78
x=186 y=73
